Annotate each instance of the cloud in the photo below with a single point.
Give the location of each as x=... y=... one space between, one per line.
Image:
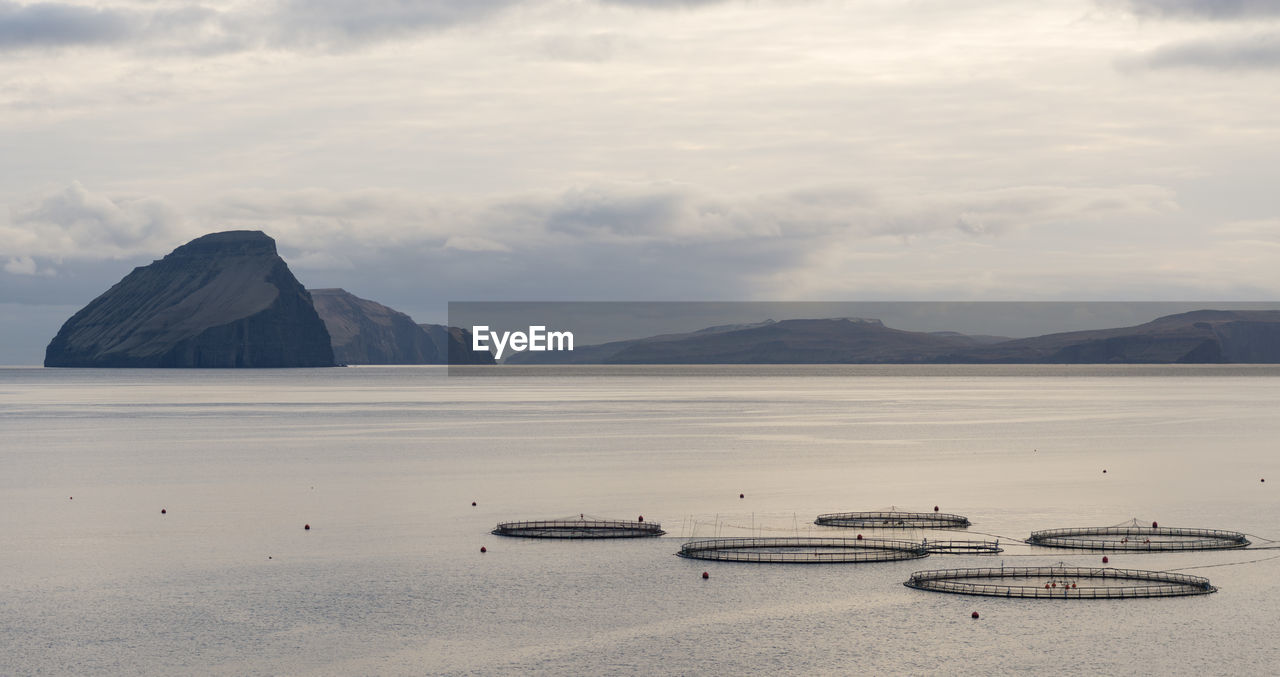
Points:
x=599 y=242
x=466 y=243
x=329 y=227
x=1252 y=52
x=591 y=48
x=1217 y=10
x=280 y=24
x=54 y=24
x=662 y=4
x=20 y=265
x=284 y=24
x=76 y=223
x=50 y=24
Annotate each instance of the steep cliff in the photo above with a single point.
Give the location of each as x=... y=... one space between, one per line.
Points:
x=366 y=332
x=222 y=300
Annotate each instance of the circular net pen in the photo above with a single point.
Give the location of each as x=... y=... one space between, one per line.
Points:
x=802 y=550
x=963 y=547
x=579 y=528
x=893 y=520
x=1060 y=582
x=1138 y=539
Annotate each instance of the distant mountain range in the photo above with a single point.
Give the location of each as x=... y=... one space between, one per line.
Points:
x=1204 y=336
x=229 y=300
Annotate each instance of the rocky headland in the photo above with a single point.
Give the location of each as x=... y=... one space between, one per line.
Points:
x=222 y=300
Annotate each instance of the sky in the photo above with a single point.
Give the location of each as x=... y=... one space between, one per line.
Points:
x=417 y=153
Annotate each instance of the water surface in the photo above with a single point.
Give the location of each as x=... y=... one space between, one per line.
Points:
x=384 y=464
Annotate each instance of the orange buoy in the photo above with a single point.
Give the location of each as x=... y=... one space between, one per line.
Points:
x=163 y=511
x=1073 y=585
x=640 y=518
x=1105 y=559
x=1046 y=586
x=483 y=549
x=973 y=615
x=859 y=537
x=706 y=575
x=935 y=508
x=473 y=504
x=1155 y=525
x=306 y=527
x=1055 y=585
x=742 y=495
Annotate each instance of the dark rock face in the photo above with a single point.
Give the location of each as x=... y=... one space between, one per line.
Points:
x=455 y=342
x=222 y=300
x=366 y=332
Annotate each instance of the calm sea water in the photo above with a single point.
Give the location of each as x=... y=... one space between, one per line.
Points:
x=384 y=464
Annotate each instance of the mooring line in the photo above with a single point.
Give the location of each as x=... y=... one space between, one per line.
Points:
x=1229 y=564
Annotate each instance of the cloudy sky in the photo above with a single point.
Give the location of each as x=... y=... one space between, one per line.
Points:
x=421 y=152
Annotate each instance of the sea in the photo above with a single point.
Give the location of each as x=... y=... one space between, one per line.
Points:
x=155 y=522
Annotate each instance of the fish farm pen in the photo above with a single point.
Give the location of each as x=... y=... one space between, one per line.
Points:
x=963 y=547
x=802 y=550
x=1138 y=539
x=1060 y=582
x=580 y=528
x=893 y=520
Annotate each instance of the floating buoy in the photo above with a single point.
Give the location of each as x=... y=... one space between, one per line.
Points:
x=1055 y=585
x=1073 y=585
x=483 y=549
x=473 y=504
x=72 y=498
x=640 y=518
x=306 y=527
x=706 y=575
x=973 y=615
x=1046 y=586
x=268 y=556
x=1263 y=480
x=935 y=508
x=163 y=511
x=742 y=495
x=1155 y=525
x=859 y=537
x=1105 y=559
x=1104 y=471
